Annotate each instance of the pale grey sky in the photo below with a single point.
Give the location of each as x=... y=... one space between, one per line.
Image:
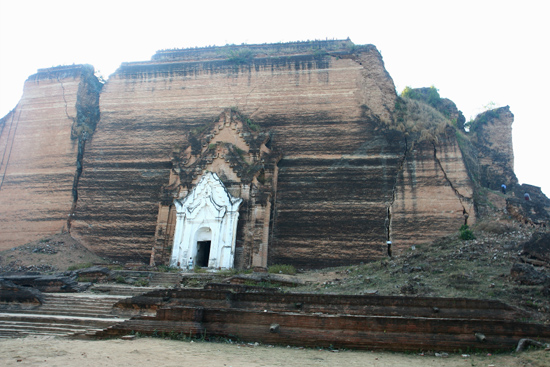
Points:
x=474 y=52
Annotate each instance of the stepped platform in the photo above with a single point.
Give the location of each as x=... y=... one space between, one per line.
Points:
x=340 y=321
x=120 y=290
x=62 y=314
x=15 y=325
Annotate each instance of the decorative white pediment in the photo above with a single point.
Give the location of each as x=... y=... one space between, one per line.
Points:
x=208 y=197
x=208 y=208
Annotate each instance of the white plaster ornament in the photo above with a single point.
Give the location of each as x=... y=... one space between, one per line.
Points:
x=206 y=226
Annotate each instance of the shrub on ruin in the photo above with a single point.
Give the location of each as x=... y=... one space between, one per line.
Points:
x=141 y=283
x=282 y=269
x=167 y=269
x=240 y=56
x=466 y=233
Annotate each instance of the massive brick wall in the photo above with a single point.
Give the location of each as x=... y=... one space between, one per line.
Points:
x=38 y=156
x=492 y=137
x=328 y=114
x=331 y=207
x=338 y=164
x=347 y=179
x=433 y=193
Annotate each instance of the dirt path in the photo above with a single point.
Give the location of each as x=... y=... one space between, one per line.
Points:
x=36 y=351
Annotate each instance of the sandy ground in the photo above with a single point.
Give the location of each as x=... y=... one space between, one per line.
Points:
x=47 y=351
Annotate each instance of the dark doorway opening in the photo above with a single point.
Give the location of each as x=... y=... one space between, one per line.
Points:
x=203 y=253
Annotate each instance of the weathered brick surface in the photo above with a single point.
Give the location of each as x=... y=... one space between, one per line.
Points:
x=38 y=154
x=328 y=117
x=492 y=136
x=398 y=323
x=312 y=106
x=45 y=283
x=38 y=159
x=342 y=170
x=331 y=304
x=433 y=196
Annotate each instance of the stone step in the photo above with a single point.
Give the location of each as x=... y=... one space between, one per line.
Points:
x=75 y=308
x=80 y=305
x=120 y=290
x=62 y=314
x=22 y=334
x=16 y=325
x=5 y=334
x=91 y=305
x=28 y=326
x=81 y=308
x=162 y=285
x=57 y=319
x=79 y=297
x=162 y=282
x=66 y=312
x=99 y=305
x=80 y=302
x=171 y=276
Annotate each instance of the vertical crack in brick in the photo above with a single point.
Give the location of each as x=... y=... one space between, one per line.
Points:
x=461 y=197
x=65 y=100
x=87 y=117
x=77 y=174
x=10 y=139
x=389 y=206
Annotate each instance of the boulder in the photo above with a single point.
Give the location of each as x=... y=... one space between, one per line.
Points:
x=537 y=249
x=94 y=274
x=527 y=274
x=14 y=297
x=45 y=283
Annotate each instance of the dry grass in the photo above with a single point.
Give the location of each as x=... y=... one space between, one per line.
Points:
x=419 y=120
x=51 y=254
x=449 y=267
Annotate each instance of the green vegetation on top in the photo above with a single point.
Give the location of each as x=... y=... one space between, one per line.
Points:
x=240 y=56
x=429 y=95
x=481 y=119
x=419 y=119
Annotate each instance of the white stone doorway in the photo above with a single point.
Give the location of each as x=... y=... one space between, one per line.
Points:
x=206 y=226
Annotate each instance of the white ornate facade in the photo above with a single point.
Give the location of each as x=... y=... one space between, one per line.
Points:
x=206 y=226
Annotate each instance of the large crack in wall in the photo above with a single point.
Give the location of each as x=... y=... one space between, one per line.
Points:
x=79 y=155
x=65 y=100
x=77 y=174
x=87 y=117
x=10 y=139
x=388 y=221
x=460 y=197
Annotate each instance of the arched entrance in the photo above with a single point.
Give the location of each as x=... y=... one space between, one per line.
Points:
x=206 y=226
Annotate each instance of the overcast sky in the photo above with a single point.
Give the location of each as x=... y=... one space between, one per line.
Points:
x=474 y=52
